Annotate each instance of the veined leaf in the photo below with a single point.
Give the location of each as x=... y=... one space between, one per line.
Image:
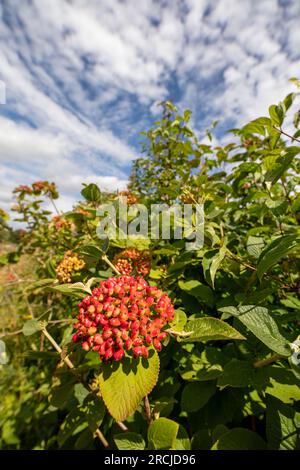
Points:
x=123 y=385
x=209 y=328
x=262 y=325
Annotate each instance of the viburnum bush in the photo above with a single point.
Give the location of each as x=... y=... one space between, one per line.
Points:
x=142 y=344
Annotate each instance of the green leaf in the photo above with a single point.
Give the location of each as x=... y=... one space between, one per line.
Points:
x=89 y=414
x=196 y=394
x=237 y=374
x=162 y=434
x=74 y=423
x=209 y=328
x=80 y=392
x=91 y=193
x=282 y=425
x=212 y=260
x=276 y=114
x=31 y=327
x=257 y=126
x=123 y=385
x=202 y=440
x=262 y=325
x=129 y=441
x=282 y=384
x=288 y=100
x=203 y=293
x=182 y=441
x=79 y=289
x=240 y=439
x=60 y=394
x=94 y=251
x=255 y=246
x=179 y=320
x=273 y=252
x=280 y=164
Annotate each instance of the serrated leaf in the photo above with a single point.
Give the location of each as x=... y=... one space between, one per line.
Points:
x=210 y=328
x=262 y=325
x=129 y=441
x=162 y=434
x=123 y=385
x=273 y=252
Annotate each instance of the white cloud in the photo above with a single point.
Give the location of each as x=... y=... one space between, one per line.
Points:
x=84 y=77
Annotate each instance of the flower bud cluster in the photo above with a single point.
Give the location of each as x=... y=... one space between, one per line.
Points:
x=131 y=198
x=131 y=260
x=69 y=264
x=123 y=314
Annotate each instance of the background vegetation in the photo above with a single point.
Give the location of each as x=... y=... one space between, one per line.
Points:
x=229 y=367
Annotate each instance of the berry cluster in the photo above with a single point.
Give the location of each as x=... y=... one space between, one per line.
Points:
x=131 y=260
x=59 y=222
x=69 y=264
x=37 y=188
x=123 y=314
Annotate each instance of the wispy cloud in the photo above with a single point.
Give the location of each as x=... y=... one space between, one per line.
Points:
x=82 y=78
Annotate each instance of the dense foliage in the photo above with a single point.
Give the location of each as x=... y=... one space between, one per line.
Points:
x=168 y=348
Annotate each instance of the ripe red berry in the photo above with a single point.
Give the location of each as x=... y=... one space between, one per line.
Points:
x=118 y=354
x=123 y=314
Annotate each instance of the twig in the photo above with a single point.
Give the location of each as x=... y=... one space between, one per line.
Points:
x=122 y=426
x=107 y=261
x=147 y=409
x=266 y=362
x=68 y=362
x=99 y=434
x=181 y=334
x=286 y=134
x=54 y=205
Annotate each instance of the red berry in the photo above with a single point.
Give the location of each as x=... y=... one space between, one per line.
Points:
x=98 y=339
x=118 y=354
x=123 y=313
x=157 y=344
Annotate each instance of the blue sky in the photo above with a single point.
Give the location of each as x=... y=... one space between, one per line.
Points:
x=83 y=78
